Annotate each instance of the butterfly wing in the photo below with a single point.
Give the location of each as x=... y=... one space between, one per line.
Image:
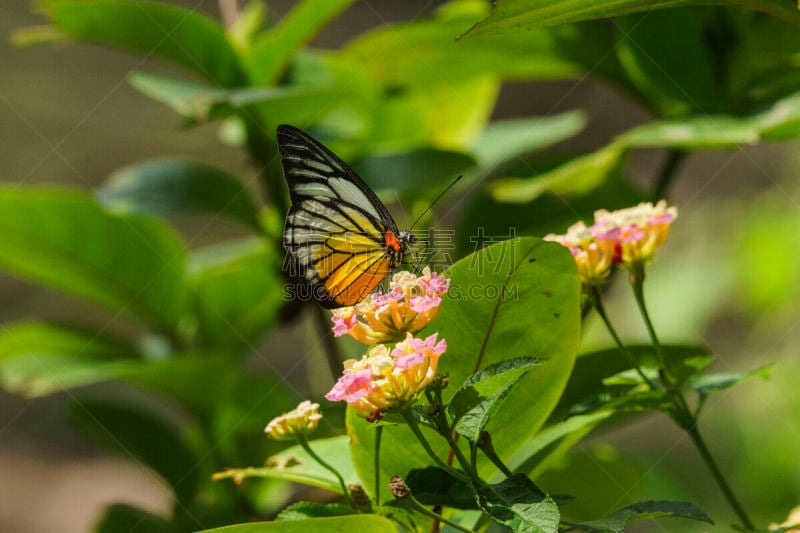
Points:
x=335 y=230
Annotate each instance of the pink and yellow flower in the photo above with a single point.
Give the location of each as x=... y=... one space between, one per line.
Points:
x=409 y=305
x=594 y=258
x=629 y=237
x=636 y=232
x=299 y=421
x=387 y=378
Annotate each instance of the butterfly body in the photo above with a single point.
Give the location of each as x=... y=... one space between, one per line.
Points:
x=338 y=234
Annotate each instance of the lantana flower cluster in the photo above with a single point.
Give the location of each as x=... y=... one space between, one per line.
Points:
x=627 y=237
x=299 y=421
x=398 y=366
x=409 y=305
x=389 y=378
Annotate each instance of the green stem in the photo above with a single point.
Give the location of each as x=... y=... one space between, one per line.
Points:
x=596 y=301
x=412 y=504
x=301 y=439
x=682 y=415
x=700 y=444
x=412 y=423
x=667 y=172
x=377 y=464
x=485 y=445
x=332 y=355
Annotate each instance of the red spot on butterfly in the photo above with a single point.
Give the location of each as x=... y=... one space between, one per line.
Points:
x=392 y=241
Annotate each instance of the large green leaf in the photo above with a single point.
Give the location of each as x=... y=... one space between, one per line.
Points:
x=424 y=52
x=37 y=358
x=238 y=289
x=177 y=186
x=63 y=239
x=513 y=16
x=512 y=299
x=366 y=523
x=271 y=52
x=177 y=34
x=294 y=464
x=142 y=435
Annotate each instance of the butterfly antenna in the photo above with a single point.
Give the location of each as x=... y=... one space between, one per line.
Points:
x=402 y=207
x=430 y=206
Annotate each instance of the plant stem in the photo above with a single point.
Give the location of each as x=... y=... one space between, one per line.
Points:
x=412 y=423
x=332 y=355
x=596 y=300
x=682 y=415
x=413 y=504
x=301 y=439
x=377 y=464
x=700 y=444
x=667 y=172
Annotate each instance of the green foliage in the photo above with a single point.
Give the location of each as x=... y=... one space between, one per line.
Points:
x=409 y=105
x=63 y=239
x=512 y=16
x=371 y=523
x=519 y=504
x=616 y=521
x=174 y=186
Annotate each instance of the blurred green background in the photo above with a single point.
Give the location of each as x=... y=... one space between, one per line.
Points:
x=728 y=279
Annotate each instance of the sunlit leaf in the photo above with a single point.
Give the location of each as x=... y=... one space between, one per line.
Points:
x=272 y=51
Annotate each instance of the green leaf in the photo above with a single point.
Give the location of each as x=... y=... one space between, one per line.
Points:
x=123 y=518
x=513 y=16
x=708 y=384
x=271 y=53
x=515 y=298
x=63 y=239
x=479 y=398
x=176 y=186
x=578 y=176
x=238 y=290
x=198 y=102
x=434 y=486
x=37 y=359
x=294 y=464
x=182 y=36
x=507 y=139
x=519 y=504
x=693 y=133
x=424 y=52
x=535 y=455
x=140 y=434
x=342 y=524
x=303 y=510
x=616 y=521
x=412 y=172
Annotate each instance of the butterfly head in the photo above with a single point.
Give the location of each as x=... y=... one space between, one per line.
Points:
x=397 y=245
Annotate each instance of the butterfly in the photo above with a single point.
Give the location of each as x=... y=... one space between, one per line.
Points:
x=338 y=234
